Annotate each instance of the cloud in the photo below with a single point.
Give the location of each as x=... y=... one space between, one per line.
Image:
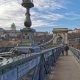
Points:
x=42 y=14
x=11 y=11
x=42 y=23
x=49 y=4
x=51 y=16
x=72 y=16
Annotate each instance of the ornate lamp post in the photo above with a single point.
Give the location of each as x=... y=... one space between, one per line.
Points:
x=27 y=4
x=28 y=38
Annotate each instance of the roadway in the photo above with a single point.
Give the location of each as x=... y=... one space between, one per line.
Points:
x=67 y=68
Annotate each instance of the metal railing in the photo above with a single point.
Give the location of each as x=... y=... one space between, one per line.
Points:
x=32 y=66
x=76 y=52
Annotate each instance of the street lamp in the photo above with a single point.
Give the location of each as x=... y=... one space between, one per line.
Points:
x=27 y=4
x=28 y=38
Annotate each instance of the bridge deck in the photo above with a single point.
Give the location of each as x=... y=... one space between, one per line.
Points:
x=67 y=68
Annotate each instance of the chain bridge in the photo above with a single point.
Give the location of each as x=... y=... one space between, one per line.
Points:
x=29 y=61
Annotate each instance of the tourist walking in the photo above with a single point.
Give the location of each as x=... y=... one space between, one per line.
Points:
x=66 y=49
x=63 y=50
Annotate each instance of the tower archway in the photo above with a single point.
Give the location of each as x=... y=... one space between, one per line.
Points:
x=59 y=40
x=60 y=35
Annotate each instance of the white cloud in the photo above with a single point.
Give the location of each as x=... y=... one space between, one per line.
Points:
x=42 y=23
x=12 y=11
x=48 y=4
x=46 y=17
x=53 y=17
x=72 y=16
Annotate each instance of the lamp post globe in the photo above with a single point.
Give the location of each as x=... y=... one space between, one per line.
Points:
x=27 y=4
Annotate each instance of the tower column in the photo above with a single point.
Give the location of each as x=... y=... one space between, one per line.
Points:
x=65 y=40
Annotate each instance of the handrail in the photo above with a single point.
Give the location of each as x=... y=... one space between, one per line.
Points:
x=40 y=62
x=76 y=52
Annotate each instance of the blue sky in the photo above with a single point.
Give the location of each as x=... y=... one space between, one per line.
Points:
x=45 y=15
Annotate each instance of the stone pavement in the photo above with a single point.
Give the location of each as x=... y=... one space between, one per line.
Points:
x=67 y=68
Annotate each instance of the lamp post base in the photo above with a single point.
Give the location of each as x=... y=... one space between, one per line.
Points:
x=28 y=40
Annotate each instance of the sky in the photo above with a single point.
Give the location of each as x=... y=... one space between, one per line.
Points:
x=45 y=15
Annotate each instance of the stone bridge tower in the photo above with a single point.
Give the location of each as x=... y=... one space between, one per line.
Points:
x=60 y=36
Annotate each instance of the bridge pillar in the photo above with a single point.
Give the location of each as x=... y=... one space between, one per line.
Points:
x=65 y=37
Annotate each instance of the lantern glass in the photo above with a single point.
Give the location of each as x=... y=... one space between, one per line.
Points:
x=28 y=3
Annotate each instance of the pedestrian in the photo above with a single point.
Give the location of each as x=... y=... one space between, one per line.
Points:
x=66 y=49
x=62 y=50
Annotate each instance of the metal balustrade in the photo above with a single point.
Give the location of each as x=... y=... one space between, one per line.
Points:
x=33 y=66
x=76 y=52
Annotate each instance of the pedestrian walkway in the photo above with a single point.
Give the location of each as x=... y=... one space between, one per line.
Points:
x=67 y=68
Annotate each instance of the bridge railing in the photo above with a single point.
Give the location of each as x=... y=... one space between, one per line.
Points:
x=33 y=67
x=76 y=52
x=5 y=49
x=8 y=60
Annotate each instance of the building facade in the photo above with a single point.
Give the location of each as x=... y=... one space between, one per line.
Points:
x=14 y=35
